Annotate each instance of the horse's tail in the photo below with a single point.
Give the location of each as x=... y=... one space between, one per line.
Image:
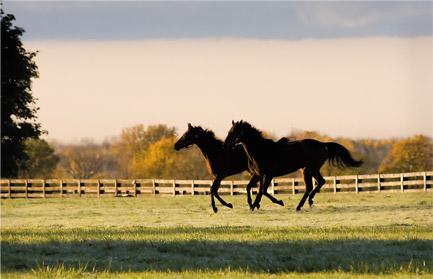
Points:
x=340 y=157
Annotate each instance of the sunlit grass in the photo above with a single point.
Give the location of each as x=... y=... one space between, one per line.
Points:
x=343 y=236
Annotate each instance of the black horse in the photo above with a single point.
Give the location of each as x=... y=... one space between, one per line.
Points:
x=220 y=162
x=268 y=159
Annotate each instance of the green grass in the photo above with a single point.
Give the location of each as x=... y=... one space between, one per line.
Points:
x=343 y=236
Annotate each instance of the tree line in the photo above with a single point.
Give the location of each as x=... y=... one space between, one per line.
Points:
x=147 y=152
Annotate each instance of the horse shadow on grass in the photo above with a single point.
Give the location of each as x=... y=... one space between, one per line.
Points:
x=112 y=252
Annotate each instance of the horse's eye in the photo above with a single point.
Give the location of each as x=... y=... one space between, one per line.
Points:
x=196 y=136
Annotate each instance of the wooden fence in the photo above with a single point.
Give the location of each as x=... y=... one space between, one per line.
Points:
x=50 y=188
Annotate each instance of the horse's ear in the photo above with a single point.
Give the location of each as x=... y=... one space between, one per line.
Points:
x=240 y=122
x=233 y=122
x=189 y=125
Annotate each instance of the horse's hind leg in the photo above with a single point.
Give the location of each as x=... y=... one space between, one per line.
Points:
x=320 y=182
x=308 y=186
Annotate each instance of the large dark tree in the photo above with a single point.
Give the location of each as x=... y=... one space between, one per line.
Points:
x=18 y=108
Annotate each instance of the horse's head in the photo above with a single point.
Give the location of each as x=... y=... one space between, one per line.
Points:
x=235 y=134
x=190 y=137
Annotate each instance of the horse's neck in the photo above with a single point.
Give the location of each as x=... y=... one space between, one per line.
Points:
x=252 y=147
x=208 y=149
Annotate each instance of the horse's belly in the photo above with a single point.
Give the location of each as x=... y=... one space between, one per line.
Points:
x=284 y=172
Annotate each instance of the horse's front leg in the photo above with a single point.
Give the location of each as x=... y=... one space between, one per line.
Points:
x=252 y=182
x=273 y=199
x=214 y=193
x=263 y=186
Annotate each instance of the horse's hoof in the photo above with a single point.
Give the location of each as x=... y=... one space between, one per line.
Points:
x=281 y=203
x=298 y=209
x=229 y=205
x=215 y=209
x=310 y=202
x=258 y=206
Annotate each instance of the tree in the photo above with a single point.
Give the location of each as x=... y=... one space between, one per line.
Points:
x=161 y=160
x=157 y=161
x=41 y=160
x=18 y=109
x=409 y=155
x=372 y=152
x=124 y=148
x=155 y=133
x=86 y=160
x=191 y=164
x=136 y=140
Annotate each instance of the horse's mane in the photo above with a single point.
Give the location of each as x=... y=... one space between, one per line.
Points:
x=251 y=129
x=210 y=135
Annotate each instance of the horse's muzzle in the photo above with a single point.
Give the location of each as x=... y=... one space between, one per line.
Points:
x=177 y=146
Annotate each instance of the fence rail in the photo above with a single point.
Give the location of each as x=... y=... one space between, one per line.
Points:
x=50 y=188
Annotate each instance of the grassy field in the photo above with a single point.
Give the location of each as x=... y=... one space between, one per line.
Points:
x=343 y=236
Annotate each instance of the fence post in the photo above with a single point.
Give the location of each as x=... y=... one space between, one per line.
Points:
x=79 y=188
x=115 y=188
x=192 y=188
x=43 y=189
x=174 y=187
x=356 y=184
x=26 y=184
x=99 y=188
x=231 y=187
x=378 y=182
x=134 y=183
x=335 y=185
x=9 y=189
x=273 y=187
x=425 y=181
x=402 y=182
x=293 y=186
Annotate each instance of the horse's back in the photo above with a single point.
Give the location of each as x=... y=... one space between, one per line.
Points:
x=303 y=153
x=314 y=151
x=311 y=142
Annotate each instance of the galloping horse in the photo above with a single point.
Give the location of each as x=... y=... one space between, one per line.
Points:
x=268 y=159
x=220 y=162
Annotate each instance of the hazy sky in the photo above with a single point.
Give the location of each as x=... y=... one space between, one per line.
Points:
x=352 y=69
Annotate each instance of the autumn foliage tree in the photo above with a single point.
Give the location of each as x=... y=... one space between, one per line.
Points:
x=134 y=142
x=409 y=155
x=125 y=147
x=158 y=160
x=155 y=156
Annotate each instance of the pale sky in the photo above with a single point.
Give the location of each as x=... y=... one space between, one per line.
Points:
x=358 y=69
